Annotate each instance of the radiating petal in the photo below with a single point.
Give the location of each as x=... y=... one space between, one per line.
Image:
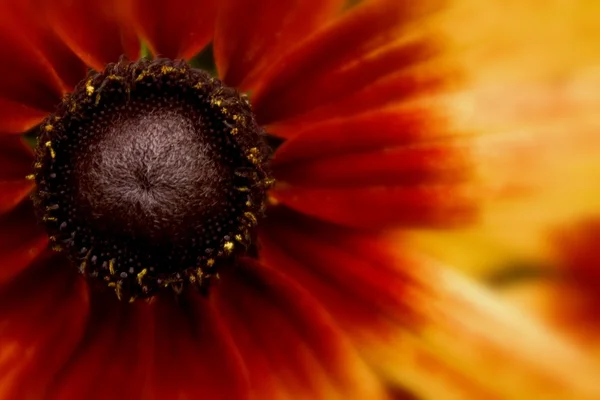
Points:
x=28 y=76
x=191 y=336
x=174 y=28
x=251 y=36
x=42 y=316
x=387 y=127
x=116 y=347
x=26 y=20
x=21 y=241
x=290 y=346
x=15 y=164
x=421 y=325
x=366 y=58
x=95 y=30
x=16 y=117
x=164 y=349
x=437 y=205
x=403 y=166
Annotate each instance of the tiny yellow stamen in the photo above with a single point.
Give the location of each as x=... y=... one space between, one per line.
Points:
x=251 y=217
x=141 y=275
x=119 y=290
x=89 y=89
x=142 y=75
x=111 y=266
x=30 y=177
x=210 y=262
x=48 y=127
x=228 y=247
x=48 y=144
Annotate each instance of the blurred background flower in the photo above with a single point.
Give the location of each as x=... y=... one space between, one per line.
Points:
x=425 y=156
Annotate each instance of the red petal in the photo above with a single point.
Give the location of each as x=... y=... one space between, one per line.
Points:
x=289 y=344
x=174 y=28
x=95 y=30
x=26 y=75
x=253 y=35
x=15 y=164
x=164 y=349
x=363 y=55
x=21 y=241
x=42 y=315
x=24 y=19
x=349 y=272
x=380 y=207
x=116 y=348
x=363 y=132
x=16 y=117
x=195 y=355
x=378 y=169
x=404 y=166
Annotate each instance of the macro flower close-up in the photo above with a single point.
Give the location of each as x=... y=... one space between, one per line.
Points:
x=231 y=199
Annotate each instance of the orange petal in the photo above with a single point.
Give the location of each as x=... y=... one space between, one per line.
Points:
x=15 y=164
x=42 y=314
x=251 y=36
x=289 y=344
x=174 y=28
x=420 y=325
x=21 y=241
x=94 y=30
x=570 y=298
x=363 y=55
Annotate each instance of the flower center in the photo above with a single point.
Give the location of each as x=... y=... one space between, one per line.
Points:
x=151 y=174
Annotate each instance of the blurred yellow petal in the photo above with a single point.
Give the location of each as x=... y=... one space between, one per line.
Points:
x=531 y=96
x=463 y=342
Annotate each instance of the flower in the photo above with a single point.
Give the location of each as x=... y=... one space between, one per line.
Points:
x=350 y=97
